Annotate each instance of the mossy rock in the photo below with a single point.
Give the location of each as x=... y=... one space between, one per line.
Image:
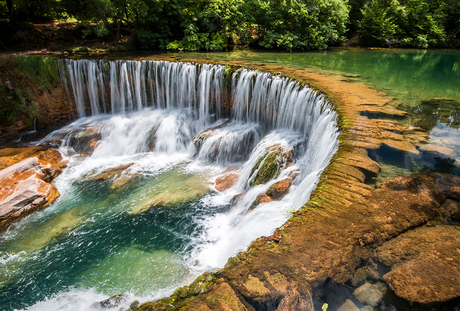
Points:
x=267 y=167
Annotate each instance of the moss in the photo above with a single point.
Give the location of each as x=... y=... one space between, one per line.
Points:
x=267 y=167
x=42 y=70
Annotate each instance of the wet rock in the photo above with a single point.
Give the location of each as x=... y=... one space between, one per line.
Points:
x=361 y=161
x=110 y=173
x=274 y=192
x=279 y=189
x=268 y=166
x=261 y=198
x=227 y=179
x=85 y=141
x=294 y=301
x=425 y=264
x=111 y=302
x=363 y=274
x=438 y=151
x=348 y=306
x=23 y=191
x=10 y=156
x=370 y=294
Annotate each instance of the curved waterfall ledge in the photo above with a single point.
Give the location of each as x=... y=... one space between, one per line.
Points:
x=342 y=235
x=335 y=238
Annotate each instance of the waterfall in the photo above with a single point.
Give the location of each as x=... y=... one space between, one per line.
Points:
x=121 y=87
x=138 y=212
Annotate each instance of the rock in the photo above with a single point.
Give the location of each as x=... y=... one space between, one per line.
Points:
x=425 y=264
x=25 y=184
x=227 y=179
x=363 y=274
x=261 y=198
x=438 y=151
x=369 y=167
x=268 y=166
x=450 y=209
x=367 y=308
x=369 y=294
x=23 y=191
x=85 y=141
x=110 y=303
x=280 y=188
x=110 y=173
x=274 y=192
x=10 y=156
x=348 y=306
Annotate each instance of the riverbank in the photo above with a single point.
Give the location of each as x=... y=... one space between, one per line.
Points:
x=341 y=232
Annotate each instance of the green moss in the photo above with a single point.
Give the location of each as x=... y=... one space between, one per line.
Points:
x=266 y=168
x=42 y=70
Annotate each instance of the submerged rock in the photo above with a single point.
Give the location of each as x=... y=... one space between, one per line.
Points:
x=348 y=306
x=111 y=302
x=370 y=294
x=116 y=175
x=227 y=179
x=425 y=264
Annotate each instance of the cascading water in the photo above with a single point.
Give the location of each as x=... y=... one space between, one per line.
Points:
x=138 y=215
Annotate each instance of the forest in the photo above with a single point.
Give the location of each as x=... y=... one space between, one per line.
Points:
x=218 y=24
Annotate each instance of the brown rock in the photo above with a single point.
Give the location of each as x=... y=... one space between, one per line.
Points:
x=227 y=179
x=110 y=173
x=24 y=191
x=279 y=189
x=425 y=264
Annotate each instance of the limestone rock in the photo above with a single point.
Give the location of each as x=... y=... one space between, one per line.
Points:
x=23 y=190
x=425 y=264
x=348 y=306
x=369 y=294
x=227 y=179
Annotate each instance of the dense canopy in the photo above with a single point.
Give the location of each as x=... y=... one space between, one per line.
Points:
x=273 y=24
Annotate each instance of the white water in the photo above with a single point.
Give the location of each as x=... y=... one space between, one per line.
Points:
x=156 y=109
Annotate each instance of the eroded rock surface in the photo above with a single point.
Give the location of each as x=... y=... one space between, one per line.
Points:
x=25 y=185
x=425 y=264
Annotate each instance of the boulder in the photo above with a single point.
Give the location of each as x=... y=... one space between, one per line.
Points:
x=85 y=141
x=274 y=192
x=269 y=165
x=26 y=183
x=280 y=188
x=24 y=190
x=425 y=264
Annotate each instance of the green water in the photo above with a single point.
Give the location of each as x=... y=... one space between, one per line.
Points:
x=89 y=239
x=408 y=75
